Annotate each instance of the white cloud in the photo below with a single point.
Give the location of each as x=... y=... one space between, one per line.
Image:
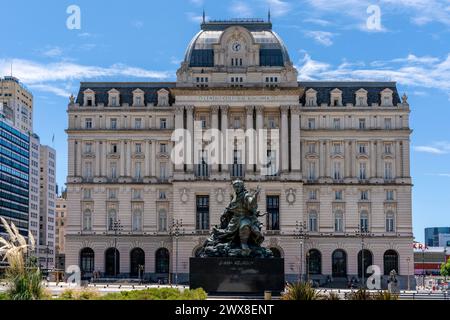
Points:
x=197 y=2
x=278 y=8
x=196 y=18
x=425 y=72
x=444 y=175
x=57 y=77
x=321 y=37
x=240 y=9
x=437 y=148
x=138 y=24
x=320 y=22
x=52 y=52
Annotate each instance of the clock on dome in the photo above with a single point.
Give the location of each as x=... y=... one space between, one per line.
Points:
x=236 y=47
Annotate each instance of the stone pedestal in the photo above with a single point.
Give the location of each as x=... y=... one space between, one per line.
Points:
x=237 y=275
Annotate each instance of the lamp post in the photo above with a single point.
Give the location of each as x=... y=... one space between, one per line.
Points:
x=176 y=231
x=117 y=226
x=301 y=234
x=408 y=260
x=362 y=232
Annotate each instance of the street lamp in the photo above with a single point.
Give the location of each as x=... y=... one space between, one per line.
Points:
x=362 y=232
x=408 y=260
x=176 y=231
x=117 y=226
x=301 y=233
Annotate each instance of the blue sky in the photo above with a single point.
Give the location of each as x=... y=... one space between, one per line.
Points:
x=327 y=40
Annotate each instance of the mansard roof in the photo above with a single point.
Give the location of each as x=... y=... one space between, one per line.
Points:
x=349 y=88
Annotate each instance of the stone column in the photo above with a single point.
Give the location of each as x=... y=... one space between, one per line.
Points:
x=71 y=156
x=103 y=171
x=153 y=158
x=78 y=157
x=215 y=125
x=353 y=160
x=249 y=158
x=328 y=159
x=373 y=158
x=147 y=147
x=347 y=160
x=405 y=159
x=98 y=155
x=122 y=158
x=259 y=147
x=179 y=112
x=379 y=165
x=190 y=128
x=295 y=139
x=284 y=138
x=128 y=158
x=224 y=127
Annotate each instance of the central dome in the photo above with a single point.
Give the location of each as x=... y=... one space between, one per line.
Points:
x=272 y=52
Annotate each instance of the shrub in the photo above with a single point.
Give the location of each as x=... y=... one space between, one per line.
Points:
x=361 y=294
x=301 y=291
x=79 y=294
x=158 y=294
x=332 y=296
x=4 y=296
x=385 y=295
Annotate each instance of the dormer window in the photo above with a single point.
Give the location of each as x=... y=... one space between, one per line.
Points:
x=311 y=98
x=361 y=98
x=386 y=97
x=138 y=98
x=89 y=98
x=163 y=98
x=336 y=98
x=272 y=81
x=113 y=98
x=237 y=81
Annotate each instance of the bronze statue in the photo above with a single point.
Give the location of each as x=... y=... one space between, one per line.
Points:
x=239 y=234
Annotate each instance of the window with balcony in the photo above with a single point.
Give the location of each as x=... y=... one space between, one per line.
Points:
x=237 y=122
x=163 y=171
x=88 y=170
x=202 y=169
x=311 y=148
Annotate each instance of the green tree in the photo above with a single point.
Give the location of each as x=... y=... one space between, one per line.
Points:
x=445 y=269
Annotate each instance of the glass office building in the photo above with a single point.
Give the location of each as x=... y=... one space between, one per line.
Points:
x=14 y=176
x=432 y=236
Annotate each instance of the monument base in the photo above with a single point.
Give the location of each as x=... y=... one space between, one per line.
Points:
x=228 y=275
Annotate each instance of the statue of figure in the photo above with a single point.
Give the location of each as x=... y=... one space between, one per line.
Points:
x=71 y=99
x=393 y=282
x=240 y=231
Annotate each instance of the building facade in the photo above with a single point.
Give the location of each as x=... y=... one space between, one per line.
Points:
x=437 y=237
x=16 y=103
x=60 y=227
x=47 y=207
x=341 y=181
x=34 y=187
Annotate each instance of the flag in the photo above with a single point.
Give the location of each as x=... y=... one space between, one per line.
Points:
x=53 y=138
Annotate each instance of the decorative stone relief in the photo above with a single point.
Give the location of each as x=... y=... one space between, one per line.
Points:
x=220 y=197
x=184 y=196
x=290 y=196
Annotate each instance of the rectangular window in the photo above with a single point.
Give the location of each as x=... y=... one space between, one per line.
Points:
x=390 y=222
x=338 y=195
x=388 y=123
x=163 y=148
x=364 y=195
x=271 y=122
x=203 y=122
x=312 y=171
x=362 y=171
x=87 y=193
x=312 y=148
x=138 y=123
x=311 y=123
x=388 y=170
x=88 y=147
x=112 y=194
x=88 y=170
x=113 y=123
x=88 y=123
x=362 y=124
x=136 y=194
x=336 y=123
x=390 y=195
x=163 y=171
x=237 y=122
x=114 y=148
x=313 y=221
x=113 y=170
x=312 y=195
x=273 y=212
x=388 y=148
x=137 y=170
x=338 y=222
x=163 y=123
x=336 y=148
x=202 y=217
x=364 y=222
x=362 y=148
x=138 y=148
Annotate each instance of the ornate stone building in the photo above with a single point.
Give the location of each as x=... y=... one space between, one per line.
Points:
x=343 y=164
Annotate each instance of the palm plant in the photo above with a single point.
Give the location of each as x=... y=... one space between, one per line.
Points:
x=301 y=291
x=24 y=280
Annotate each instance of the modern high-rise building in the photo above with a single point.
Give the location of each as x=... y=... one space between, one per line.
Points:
x=14 y=176
x=437 y=237
x=337 y=196
x=47 y=207
x=34 y=186
x=60 y=226
x=16 y=103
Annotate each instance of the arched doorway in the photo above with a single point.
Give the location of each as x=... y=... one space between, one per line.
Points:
x=162 y=260
x=339 y=263
x=368 y=261
x=276 y=252
x=390 y=260
x=314 y=258
x=87 y=260
x=112 y=262
x=137 y=262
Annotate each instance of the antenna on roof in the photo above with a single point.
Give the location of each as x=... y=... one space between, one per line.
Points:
x=204 y=16
x=268 y=16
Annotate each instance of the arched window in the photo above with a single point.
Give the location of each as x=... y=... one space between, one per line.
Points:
x=390 y=222
x=87 y=220
x=137 y=262
x=339 y=263
x=137 y=220
x=112 y=217
x=112 y=262
x=368 y=261
x=276 y=252
x=87 y=260
x=313 y=221
x=390 y=260
x=162 y=220
x=314 y=261
x=162 y=260
x=364 y=221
